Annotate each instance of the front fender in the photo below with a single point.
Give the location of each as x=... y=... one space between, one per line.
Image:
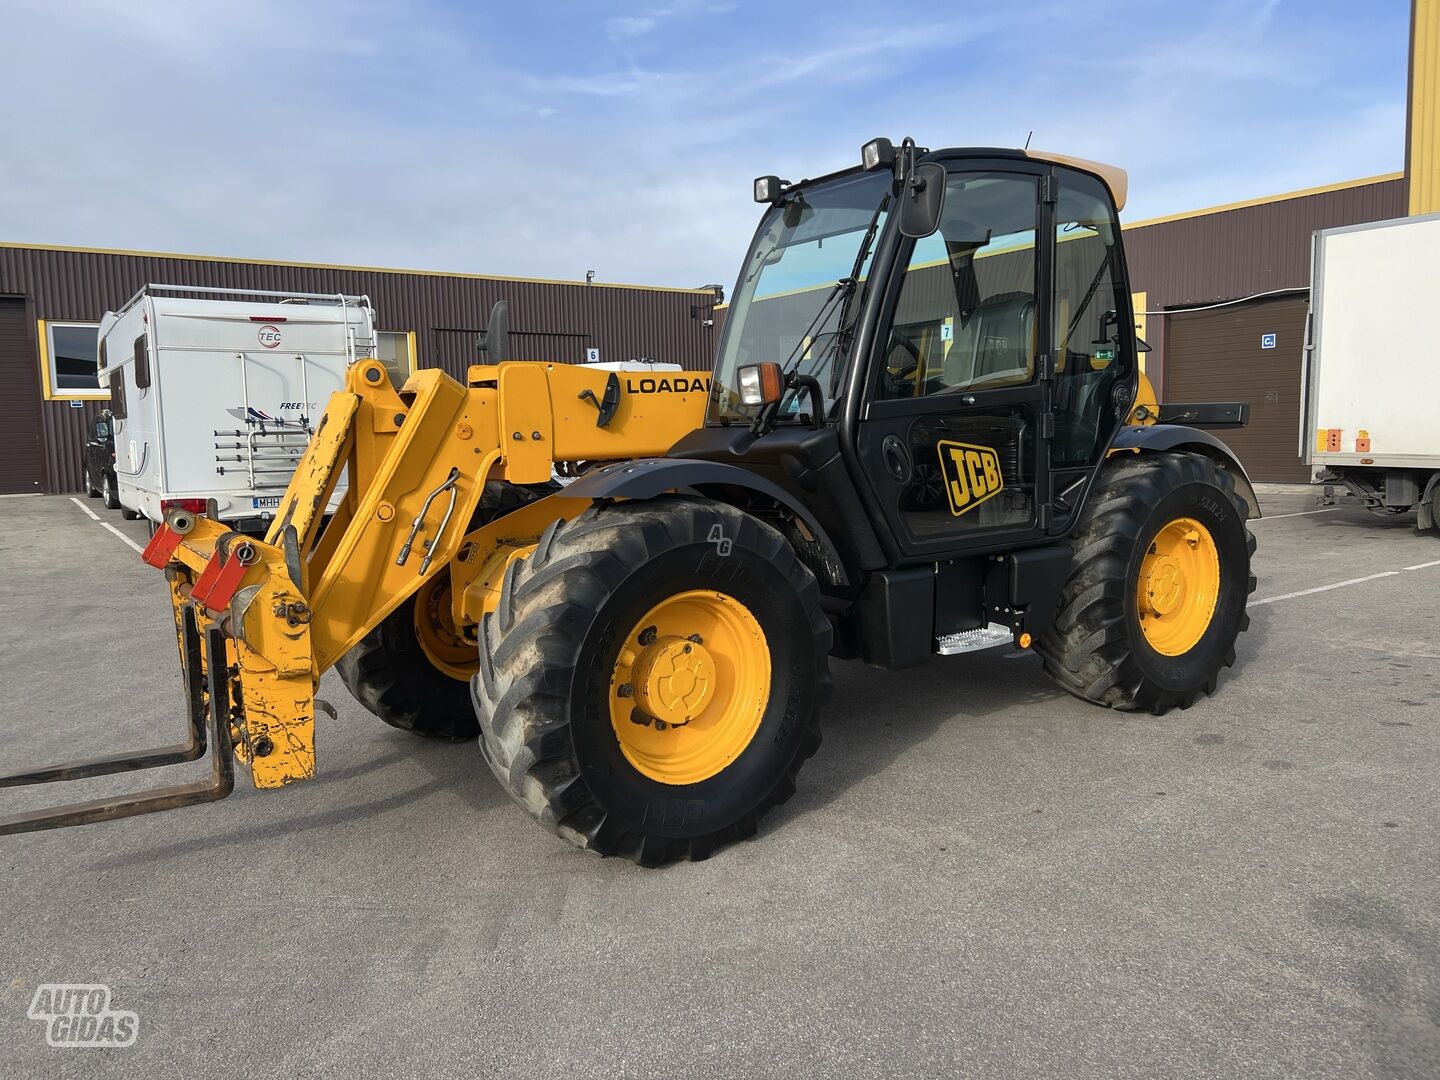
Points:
x=646 y=478
x=1160 y=437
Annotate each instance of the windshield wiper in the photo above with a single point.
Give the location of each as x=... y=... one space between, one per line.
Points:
x=764 y=419
x=845 y=290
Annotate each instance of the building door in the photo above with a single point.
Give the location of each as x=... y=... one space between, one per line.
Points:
x=1247 y=352
x=22 y=461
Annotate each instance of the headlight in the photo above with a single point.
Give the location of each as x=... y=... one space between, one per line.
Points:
x=760 y=384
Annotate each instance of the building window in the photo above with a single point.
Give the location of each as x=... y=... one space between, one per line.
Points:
x=69 y=357
x=396 y=350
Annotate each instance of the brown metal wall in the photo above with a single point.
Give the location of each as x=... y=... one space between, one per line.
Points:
x=1216 y=356
x=1251 y=249
x=548 y=320
x=22 y=462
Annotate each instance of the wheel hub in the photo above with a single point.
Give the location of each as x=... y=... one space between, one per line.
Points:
x=1178 y=587
x=435 y=630
x=1164 y=586
x=690 y=685
x=674 y=680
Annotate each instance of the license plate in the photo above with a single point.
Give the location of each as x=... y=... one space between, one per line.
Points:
x=265 y=502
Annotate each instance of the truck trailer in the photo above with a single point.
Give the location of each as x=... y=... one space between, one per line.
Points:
x=1370 y=414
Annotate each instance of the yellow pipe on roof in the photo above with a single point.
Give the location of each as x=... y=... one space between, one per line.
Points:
x=1422 y=130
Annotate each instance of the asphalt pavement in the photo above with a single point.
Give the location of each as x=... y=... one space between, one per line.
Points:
x=980 y=875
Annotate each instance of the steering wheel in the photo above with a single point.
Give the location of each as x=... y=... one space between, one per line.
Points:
x=897 y=376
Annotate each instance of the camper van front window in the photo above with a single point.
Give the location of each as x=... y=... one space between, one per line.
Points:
x=72 y=360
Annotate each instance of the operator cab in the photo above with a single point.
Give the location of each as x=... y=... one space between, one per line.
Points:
x=933 y=352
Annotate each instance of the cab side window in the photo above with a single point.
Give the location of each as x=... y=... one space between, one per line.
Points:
x=1094 y=341
x=965 y=319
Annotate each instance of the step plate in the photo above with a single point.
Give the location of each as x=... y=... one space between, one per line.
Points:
x=987 y=637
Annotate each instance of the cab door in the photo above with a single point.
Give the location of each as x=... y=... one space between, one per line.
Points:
x=954 y=430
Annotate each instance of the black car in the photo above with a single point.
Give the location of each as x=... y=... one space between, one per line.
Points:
x=100 y=461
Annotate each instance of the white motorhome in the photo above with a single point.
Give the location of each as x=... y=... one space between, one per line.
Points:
x=1371 y=413
x=216 y=392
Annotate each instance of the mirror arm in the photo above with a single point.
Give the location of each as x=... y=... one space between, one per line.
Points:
x=811 y=386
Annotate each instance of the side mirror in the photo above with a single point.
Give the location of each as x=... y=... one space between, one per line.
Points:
x=495 y=342
x=922 y=199
x=761 y=384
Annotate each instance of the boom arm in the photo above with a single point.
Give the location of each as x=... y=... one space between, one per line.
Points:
x=285 y=609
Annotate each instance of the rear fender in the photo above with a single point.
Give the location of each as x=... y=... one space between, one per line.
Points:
x=1158 y=438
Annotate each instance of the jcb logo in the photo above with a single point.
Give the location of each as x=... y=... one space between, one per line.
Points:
x=972 y=474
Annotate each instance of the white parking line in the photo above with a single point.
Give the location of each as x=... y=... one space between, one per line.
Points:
x=106 y=525
x=1302 y=513
x=122 y=536
x=1424 y=565
x=1323 y=588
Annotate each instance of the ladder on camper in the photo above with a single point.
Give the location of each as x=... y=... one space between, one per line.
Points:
x=266 y=448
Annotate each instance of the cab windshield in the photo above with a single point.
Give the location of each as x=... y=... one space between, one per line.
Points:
x=803 y=248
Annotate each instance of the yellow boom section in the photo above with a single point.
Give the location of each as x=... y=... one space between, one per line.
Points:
x=415 y=464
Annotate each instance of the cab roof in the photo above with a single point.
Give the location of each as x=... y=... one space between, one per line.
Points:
x=1116 y=179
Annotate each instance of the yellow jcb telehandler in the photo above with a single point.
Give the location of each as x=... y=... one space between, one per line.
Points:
x=926 y=432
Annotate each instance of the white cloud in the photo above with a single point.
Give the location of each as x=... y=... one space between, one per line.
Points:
x=630 y=25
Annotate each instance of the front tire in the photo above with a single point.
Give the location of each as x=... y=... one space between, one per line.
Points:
x=1156 y=595
x=590 y=650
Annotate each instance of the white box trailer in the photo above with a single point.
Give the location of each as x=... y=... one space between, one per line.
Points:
x=1370 y=418
x=216 y=392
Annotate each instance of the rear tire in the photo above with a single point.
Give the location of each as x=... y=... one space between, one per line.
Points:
x=109 y=494
x=391 y=675
x=552 y=653
x=91 y=491
x=1099 y=648
x=390 y=672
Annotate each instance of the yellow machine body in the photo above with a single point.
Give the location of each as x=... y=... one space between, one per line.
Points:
x=314 y=589
x=417 y=461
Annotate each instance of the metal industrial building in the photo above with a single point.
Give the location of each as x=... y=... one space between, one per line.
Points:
x=51 y=299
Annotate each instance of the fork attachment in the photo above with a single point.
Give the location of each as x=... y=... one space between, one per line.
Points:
x=207 y=691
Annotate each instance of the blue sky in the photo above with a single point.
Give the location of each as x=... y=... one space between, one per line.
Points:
x=548 y=138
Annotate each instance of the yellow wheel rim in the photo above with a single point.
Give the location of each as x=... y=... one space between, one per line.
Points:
x=440 y=640
x=690 y=685
x=1179 y=587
